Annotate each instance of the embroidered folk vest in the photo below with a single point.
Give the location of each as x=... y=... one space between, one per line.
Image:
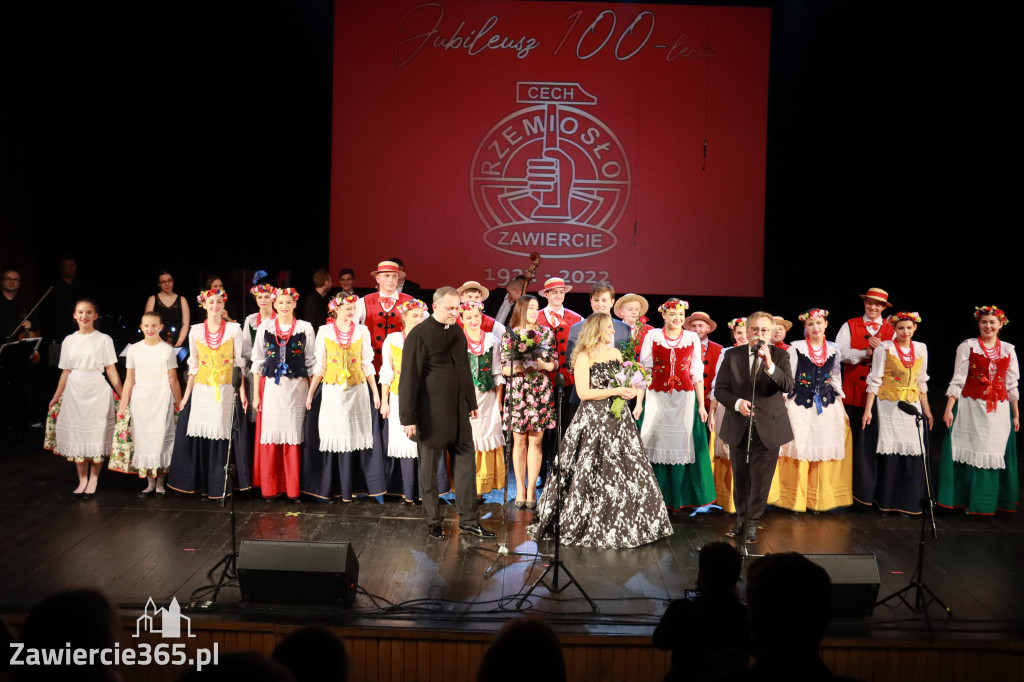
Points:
x=986 y=380
x=671 y=370
x=855 y=376
x=344 y=366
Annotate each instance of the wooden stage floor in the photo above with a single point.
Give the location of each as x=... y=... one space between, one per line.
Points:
x=161 y=548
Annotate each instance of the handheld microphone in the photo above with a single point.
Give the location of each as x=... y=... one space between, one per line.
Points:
x=559 y=380
x=909 y=408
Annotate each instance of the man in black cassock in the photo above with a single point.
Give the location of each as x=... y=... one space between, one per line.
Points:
x=436 y=400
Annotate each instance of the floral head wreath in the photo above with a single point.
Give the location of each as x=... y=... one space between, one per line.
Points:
x=412 y=304
x=673 y=304
x=903 y=316
x=262 y=289
x=203 y=295
x=286 y=292
x=340 y=300
x=736 y=322
x=471 y=305
x=982 y=311
x=813 y=314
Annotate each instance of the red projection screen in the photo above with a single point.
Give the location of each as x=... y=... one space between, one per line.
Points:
x=620 y=141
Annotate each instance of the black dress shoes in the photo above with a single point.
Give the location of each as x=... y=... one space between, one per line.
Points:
x=736 y=529
x=477 y=530
x=750 y=537
x=436 y=531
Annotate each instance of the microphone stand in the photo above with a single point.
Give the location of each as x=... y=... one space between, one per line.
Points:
x=556 y=564
x=228 y=563
x=917 y=584
x=745 y=551
x=501 y=550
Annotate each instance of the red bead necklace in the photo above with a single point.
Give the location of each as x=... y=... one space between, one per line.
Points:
x=672 y=343
x=475 y=347
x=991 y=353
x=282 y=338
x=344 y=339
x=213 y=340
x=906 y=358
x=818 y=356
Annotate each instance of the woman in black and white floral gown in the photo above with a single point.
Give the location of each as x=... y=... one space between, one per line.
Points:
x=610 y=497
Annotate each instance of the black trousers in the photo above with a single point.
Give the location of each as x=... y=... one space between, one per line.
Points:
x=751 y=482
x=463 y=473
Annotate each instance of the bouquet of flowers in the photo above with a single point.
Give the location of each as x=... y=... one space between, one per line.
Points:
x=633 y=374
x=631 y=348
x=527 y=348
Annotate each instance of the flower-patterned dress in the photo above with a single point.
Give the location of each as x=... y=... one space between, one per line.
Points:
x=529 y=402
x=609 y=495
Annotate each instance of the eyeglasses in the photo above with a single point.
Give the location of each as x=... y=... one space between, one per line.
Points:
x=759 y=330
x=12 y=279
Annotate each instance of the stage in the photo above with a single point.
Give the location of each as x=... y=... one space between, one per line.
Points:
x=134 y=549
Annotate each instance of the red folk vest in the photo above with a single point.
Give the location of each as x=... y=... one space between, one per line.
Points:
x=666 y=376
x=855 y=377
x=381 y=323
x=569 y=318
x=980 y=387
x=711 y=355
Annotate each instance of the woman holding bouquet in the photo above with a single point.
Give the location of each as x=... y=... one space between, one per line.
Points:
x=673 y=430
x=609 y=496
x=527 y=354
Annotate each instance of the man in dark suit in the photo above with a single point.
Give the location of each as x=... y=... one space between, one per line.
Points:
x=436 y=401
x=602 y=297
x=761 y=371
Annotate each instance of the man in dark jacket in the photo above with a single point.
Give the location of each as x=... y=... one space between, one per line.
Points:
x=758 y=372
x=436 y=401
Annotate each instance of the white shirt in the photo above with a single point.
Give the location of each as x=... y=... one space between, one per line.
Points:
x=853 y=356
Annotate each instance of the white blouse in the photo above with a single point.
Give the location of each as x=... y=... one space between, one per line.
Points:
x=874 y=378
x=689 y=339
x=963 y=361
